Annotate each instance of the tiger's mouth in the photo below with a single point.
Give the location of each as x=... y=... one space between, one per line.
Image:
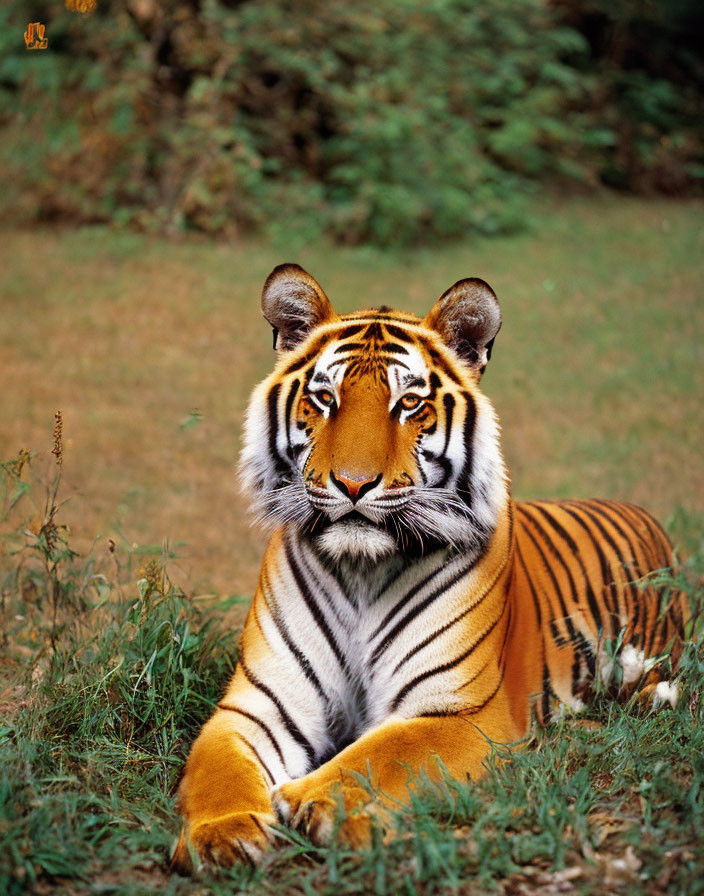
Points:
x=361 y=530
x=354 y=517
x=409 y=520
x=369 y=509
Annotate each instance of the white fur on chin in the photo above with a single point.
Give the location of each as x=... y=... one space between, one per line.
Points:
x=360 y=540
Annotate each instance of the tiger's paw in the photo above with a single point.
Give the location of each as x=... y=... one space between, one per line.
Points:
x=239 y=838
x=321 y=813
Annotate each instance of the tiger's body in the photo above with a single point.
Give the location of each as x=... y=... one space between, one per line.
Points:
x=408 y=609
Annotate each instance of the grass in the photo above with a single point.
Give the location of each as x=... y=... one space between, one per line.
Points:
x=109 y=670
x=114 y=650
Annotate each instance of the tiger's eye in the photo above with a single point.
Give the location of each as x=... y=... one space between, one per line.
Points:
x=410 y=401
x=325 y=397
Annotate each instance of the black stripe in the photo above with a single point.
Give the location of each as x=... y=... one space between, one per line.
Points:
x=295 y=385
x=422 y=605
x=589 y=511
x=312 y=352
x=436 y=634
x=351 y=330
x=612 y=517
x=472 y=678
x=289 y=724
x=393 y=349
x=574 y=548
x=273 y=423
x=333 y=365
x=648 y=597
x=661 y=545
x=576 y=638
x=259 y=758
x=657 y=533
x=258 y=823
x=295 y=366
x=464 y=486
x=440 y=362
x=444 y=667
x=638 y=598
x=565 y=617
x=547 y=691
x=448 y=401
x=298 y=655
x=265 y=728
x=352 y=368
x=509 y=617
x=397 y=332
x=394 y=362
x=479 y=707
x=557 y=636
x=315 y=610
x=373 y=332
x=604 y=565
x=330 y=603
x=531 y=588
x=406 y=597
x=442 y=462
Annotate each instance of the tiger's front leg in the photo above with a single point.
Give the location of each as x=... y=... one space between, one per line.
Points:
x=224 y=798
x=391 y=754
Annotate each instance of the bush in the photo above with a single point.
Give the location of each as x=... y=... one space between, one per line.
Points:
x=648 y=62
x=388 y=122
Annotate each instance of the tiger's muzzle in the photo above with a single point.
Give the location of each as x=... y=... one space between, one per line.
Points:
x=365 y=497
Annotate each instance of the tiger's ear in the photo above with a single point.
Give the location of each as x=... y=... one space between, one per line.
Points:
x=467 y=317
x=294 y=304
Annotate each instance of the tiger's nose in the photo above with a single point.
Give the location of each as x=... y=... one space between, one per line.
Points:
x=354 y=489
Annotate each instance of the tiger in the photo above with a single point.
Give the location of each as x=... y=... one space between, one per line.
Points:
x=409 y=615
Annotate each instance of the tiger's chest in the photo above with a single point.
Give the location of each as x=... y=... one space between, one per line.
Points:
x=381 y=646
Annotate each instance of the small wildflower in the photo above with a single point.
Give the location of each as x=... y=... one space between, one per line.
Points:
x=58 y=448
x=16 y=466
x=151 y=579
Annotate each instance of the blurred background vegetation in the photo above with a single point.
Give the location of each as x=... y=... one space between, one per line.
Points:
x=388 y=122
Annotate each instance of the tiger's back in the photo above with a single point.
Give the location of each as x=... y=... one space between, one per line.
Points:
x=581 y=575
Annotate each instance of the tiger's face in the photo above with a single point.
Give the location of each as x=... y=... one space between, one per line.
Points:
x=371 y=435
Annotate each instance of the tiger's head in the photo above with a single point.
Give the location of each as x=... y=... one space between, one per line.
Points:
x=371 y=434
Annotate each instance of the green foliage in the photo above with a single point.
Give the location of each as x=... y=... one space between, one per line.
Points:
x=385 y=122
x=647 y=58
x=109 y=692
